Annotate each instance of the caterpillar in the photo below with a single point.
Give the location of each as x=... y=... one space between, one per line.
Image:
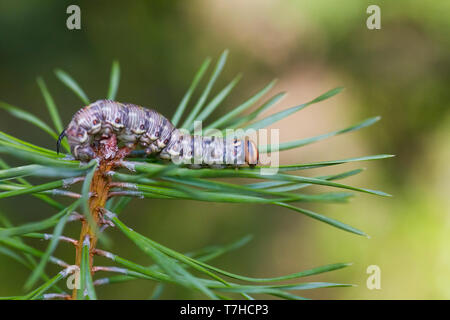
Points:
x=135 y=126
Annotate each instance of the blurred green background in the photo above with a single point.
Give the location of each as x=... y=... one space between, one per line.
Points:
x=401 y=72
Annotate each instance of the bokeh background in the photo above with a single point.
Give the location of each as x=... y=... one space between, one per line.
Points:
x=401 y=72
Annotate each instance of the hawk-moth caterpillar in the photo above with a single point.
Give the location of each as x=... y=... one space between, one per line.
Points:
x=134 y=126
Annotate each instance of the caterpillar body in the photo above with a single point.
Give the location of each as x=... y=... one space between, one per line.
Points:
x=134 y=126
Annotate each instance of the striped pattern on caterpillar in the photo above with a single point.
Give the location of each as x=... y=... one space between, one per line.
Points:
x=138 y=126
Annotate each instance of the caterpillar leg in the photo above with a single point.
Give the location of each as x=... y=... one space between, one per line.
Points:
x=152 y=148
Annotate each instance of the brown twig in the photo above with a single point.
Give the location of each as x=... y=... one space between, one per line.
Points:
x=108 y=155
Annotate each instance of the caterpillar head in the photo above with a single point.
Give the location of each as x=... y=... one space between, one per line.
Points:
x=83 y=152
x=77 y=135
x=79 y=142
x=251 y=153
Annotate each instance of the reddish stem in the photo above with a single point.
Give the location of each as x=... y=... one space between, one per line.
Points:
x=108 y=154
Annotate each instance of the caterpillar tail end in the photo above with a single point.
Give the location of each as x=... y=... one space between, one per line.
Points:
x=251 y=153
